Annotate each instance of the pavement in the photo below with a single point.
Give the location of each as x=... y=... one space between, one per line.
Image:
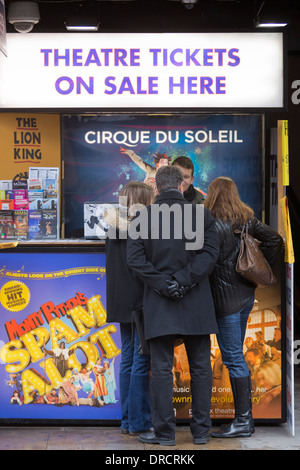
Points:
x=110 y=439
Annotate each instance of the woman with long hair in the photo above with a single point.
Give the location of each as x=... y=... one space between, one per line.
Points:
x=234 y=295
x=125 y=293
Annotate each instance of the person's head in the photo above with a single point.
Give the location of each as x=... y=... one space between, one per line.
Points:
x=249 y=341
x=161 y=159
x=224 y=202
x=259 y=335
x=268 y=375
x=253 y=356
x=186 y=166
x=62 y=345
x=277 y=334
x=168 y=177
x=137 y=193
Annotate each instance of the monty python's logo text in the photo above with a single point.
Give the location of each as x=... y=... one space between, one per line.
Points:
x=32 y=342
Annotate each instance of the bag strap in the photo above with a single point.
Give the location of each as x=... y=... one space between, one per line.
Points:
x=242 y=232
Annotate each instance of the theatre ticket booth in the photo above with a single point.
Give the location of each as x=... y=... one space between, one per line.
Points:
x=87 y=119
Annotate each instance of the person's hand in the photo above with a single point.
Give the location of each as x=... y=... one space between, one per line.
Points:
x=123 y=150
x=173 y=289
x=170 y=289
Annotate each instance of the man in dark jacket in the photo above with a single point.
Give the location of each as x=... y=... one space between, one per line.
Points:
x=177 y=300
x=190 y=193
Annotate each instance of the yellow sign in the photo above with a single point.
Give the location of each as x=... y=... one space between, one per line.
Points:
x=14 y=296
x=289 y=256
x=28 y=140
x=285 y=153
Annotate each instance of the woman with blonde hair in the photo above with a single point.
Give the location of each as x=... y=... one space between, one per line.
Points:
x=267 y=377
x=124 y=292
x=234 y=295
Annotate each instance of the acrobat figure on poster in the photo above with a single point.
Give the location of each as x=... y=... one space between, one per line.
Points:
x=160 y=159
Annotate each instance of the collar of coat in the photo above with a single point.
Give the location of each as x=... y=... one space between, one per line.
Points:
x=170 y=194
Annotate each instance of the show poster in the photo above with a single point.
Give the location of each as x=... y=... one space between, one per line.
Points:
x=102 y=153
x=59 y=359
x=263 y=355
x=54 y=302
x=28 y=140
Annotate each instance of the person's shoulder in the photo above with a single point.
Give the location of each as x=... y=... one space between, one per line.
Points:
x=199 y=198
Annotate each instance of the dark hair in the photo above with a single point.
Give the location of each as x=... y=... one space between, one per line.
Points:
x=185 y=162
x=168 y=177
x=224 y=202
x=137 y=193
x=158 y=156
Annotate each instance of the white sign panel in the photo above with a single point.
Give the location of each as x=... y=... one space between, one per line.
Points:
x=194 y=70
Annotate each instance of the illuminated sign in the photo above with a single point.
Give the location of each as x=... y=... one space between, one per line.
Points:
x=193 y=70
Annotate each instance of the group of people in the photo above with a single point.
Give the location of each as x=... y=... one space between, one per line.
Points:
x=185 y=295
x=99 y=390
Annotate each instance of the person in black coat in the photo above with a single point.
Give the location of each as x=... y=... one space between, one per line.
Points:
x=123 y=293
x=234 y=295
x=177 y=301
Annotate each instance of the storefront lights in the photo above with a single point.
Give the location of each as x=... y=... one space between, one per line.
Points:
x=82 y=24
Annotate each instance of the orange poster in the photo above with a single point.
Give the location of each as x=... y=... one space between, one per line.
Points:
x=28 y=140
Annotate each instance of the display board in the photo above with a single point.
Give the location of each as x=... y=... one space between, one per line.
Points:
x=96 y=168
x=47 y=301
x=263 y=352
x=53 y=298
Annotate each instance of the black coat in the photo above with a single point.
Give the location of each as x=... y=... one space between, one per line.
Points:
x=123 y=289
x=231 y=292
x=193 y=195
x=157 y=260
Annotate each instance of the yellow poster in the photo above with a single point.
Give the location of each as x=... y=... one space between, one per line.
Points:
x=289 y=249
x=285 y=153
x=28 y=140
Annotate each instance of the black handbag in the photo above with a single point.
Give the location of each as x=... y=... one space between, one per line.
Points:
x=138 y=318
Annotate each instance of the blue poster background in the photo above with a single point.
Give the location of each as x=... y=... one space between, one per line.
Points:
x=57 y=290
x=96 y=170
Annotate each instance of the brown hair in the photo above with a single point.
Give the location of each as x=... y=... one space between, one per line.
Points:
x=184 y=162
x=137 y=193
x=224 y=202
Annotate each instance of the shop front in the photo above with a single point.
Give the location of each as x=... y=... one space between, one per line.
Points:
x=90 y=117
